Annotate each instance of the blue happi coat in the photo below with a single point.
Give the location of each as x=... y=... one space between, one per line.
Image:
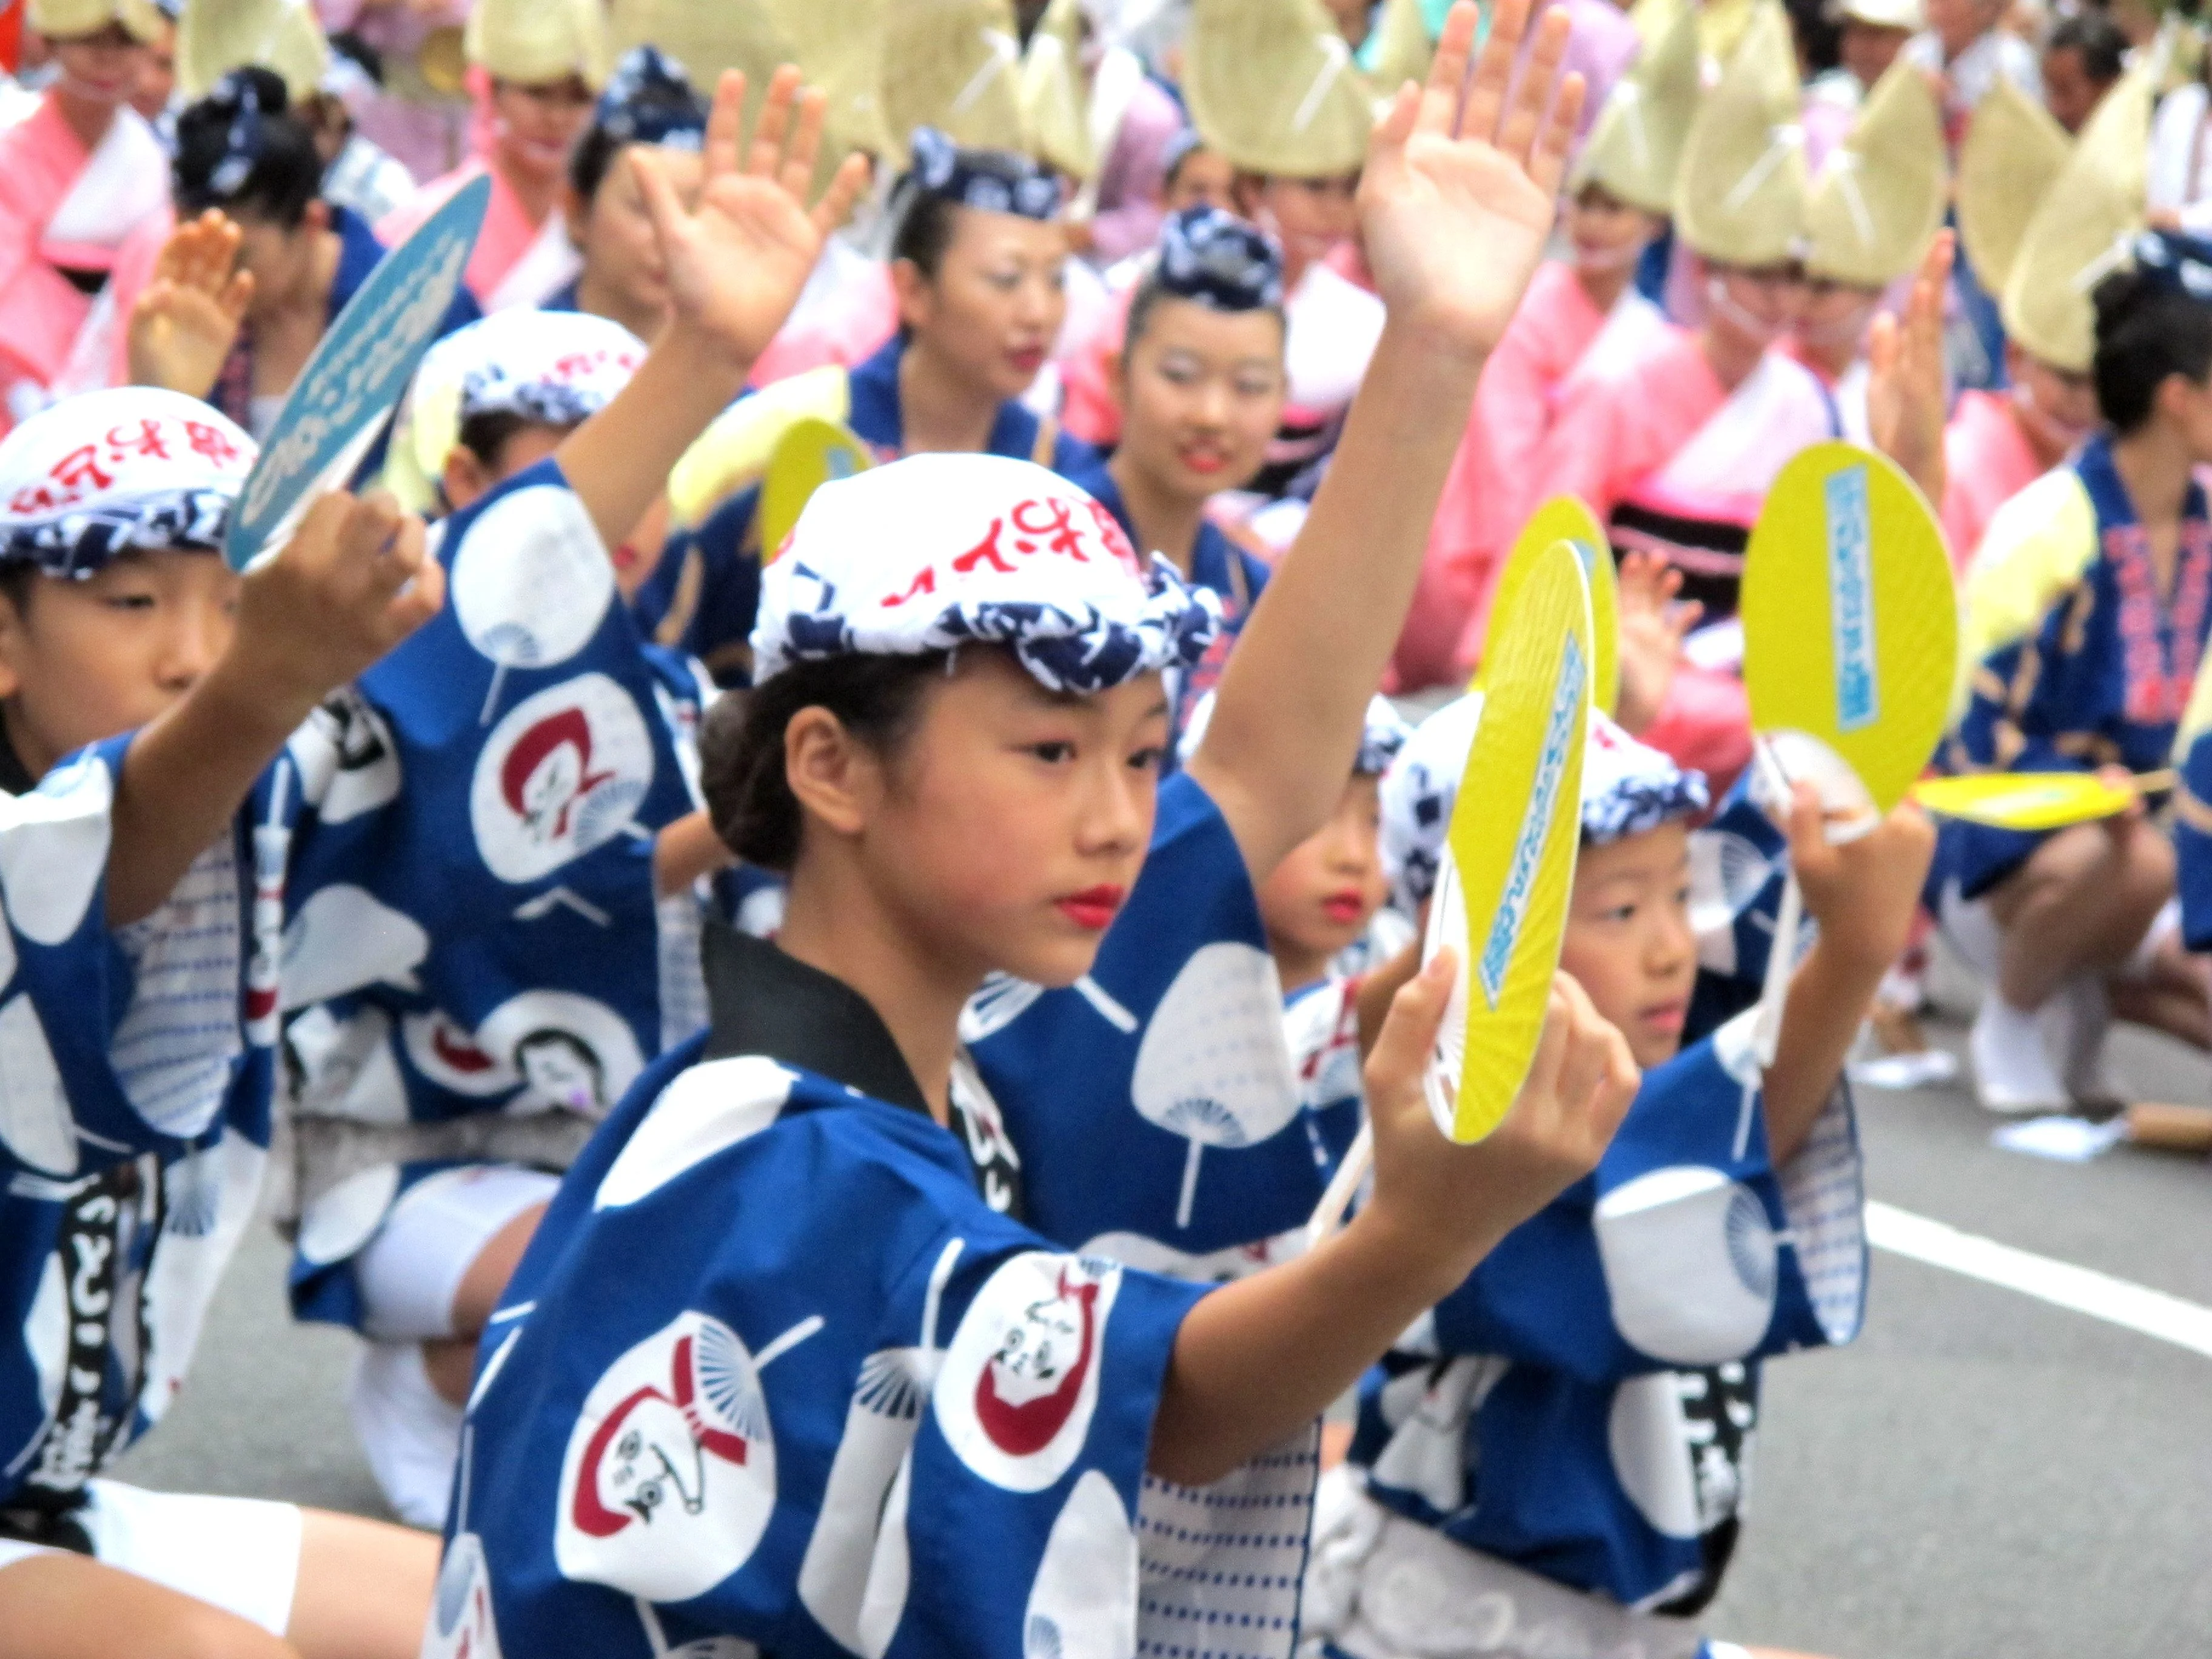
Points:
x=702 y=597
x=1153 y=1103
x=134 y=1130
x=2072 y=658
x=472 y=936
x=1583 y=1405
x=774 y=1369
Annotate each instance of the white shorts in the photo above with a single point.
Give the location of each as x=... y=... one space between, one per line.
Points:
x=1379 y=1586
x=410 y=1272
x=242 y=1555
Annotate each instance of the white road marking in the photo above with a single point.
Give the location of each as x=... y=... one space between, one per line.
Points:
x=2116 y=1301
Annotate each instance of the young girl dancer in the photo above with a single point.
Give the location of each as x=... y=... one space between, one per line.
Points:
x=859 y=1407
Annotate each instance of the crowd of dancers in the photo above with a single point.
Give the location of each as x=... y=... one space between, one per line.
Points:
x=806 y=1043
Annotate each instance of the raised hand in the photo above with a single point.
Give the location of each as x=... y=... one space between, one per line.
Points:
x=187 y=317
x=1456 y=200
x=1906 y=393
x=737 y=262
x=1651 y=624
x=1455 y=1202
x=352 y=581
x=1862 y=892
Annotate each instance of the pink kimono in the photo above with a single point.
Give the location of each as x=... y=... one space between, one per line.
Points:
x=845 y=312
x=63 y=208
x=1986 y=462
x=1679 y=465
x=1554 y=335
x=516 y=262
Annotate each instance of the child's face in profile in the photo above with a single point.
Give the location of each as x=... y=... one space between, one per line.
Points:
x=1321 y=896
x=1628 y=939
x=84 y=660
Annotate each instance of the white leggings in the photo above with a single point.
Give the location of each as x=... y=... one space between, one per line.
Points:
x=410 y=1272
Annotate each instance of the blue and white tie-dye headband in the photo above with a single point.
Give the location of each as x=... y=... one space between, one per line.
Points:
x=989 y=180
x=935 y=551
x=1628 y=787
x=650 y=100
x=1217 y=259
x=112 y=471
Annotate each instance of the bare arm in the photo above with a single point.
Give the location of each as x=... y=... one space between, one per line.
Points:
x=1455 y=206
x=352 y=583
x=1863 y=894
x=1906 y=392
x=1257 y=1360
x=735 y=269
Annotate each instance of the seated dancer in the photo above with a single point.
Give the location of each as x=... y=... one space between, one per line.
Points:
x=1873 y=208
x=135 y=1128
x=1292 y=118
x=462 y=1009
x=491 y=399
x=2012 y=171
x=977 y=262
x=536 y=65
x=1675 y=450
x=649 y=102
x=2084 y=616
x=1564 y=1440
x=77 y=175
x=744 y=1451
x=1200 y=384
x=243 y=155
x=1583 y=318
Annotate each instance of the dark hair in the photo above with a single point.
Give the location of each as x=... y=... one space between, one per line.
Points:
x=19 y=579
x=2146 y=331
x=593 y=158
x=927 y=219
x=877 y=698
x=2098 y=39
x=1146 y=300
x=286 y=171
x=487 y=435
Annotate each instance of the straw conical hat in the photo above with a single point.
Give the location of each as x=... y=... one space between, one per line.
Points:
x=533 y=42
x=1740 y=195
x=1272 y=89
x=841 y=49
x=216 y=36
x=2013 y=152
x=1879 y=195
x=954 y=65
x=1054 y=99
x=1721 y=25
x=2080 y=233
x=1402 y=47
x=65 y=18
x=1635 y=149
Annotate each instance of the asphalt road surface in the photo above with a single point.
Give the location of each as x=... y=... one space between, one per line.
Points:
x=1982 y=1476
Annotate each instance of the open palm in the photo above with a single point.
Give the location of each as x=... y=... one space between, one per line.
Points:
x=737 y=262
x=1456 y=202
x=187 y=319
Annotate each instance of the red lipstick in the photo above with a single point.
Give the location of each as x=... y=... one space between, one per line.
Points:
x=1094 y=907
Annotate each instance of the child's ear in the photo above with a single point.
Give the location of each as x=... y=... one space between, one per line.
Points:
x=12 y=638
x=833 y=778
x=1117 y=364
x=912 y=288
x=466 y=476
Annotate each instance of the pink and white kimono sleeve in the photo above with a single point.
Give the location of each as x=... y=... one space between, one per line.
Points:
x=1986 y=462
x=507 y=238
x=1485 y=499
